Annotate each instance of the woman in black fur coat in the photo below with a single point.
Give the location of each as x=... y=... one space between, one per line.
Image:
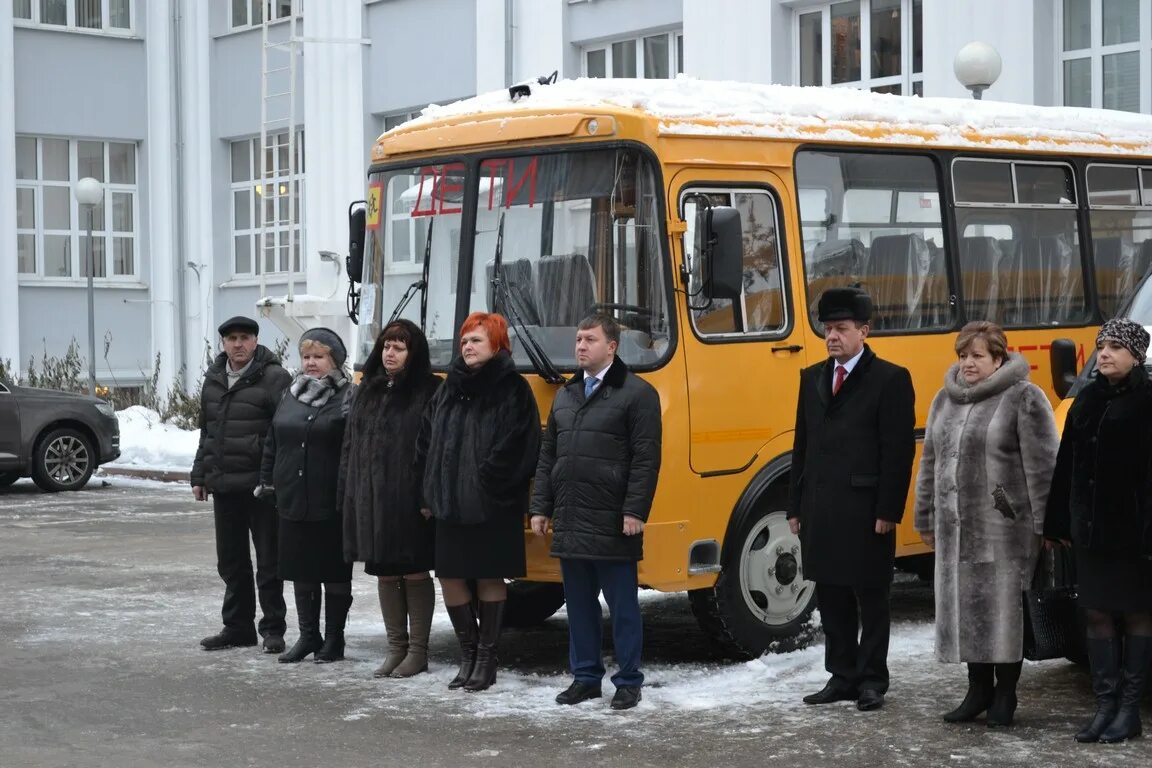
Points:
x=380 y=495
x=1101 y=505
x=480 y=442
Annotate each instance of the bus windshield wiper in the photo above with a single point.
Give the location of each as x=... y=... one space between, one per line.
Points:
x=420 y=285
x=511 y=304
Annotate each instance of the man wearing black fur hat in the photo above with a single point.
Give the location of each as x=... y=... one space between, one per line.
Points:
x=851 y=466
x=240 y=393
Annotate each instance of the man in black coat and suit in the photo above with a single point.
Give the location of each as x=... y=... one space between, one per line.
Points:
x=851 y=466
x=595 y=480
x=239 y=396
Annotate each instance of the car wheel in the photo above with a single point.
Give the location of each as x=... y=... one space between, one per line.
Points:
x=7 y=478
x=63 y=460
x=761 y=601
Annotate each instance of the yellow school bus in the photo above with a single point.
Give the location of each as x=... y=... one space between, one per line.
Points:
x=708 y=218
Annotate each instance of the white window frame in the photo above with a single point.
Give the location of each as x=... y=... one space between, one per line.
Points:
x=674 y=41
x=70 y=24
x=78 y=219
x=267 y=6
x=279 y=179
x=907 y=79
x=1096 y=51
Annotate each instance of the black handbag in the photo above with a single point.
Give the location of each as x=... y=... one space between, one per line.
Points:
x=1050 y=623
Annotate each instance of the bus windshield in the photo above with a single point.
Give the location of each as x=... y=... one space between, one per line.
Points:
x=559 y=235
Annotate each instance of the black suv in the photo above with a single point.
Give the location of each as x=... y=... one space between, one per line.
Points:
x=57 y=438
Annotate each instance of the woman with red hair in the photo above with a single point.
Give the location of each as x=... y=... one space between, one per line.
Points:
x=479 y=445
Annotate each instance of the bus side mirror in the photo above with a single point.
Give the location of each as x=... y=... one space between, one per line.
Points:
x=1063 y=358
x=724 y=240
x=354 y=263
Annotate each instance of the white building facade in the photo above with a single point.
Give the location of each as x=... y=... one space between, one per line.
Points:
x=169 y=103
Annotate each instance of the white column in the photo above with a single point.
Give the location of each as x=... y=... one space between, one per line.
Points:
x=335 y=154
x=948 y=27
x=733 y=39
x=538 y=39
x=9 y=278
x=195 y=183
x=491 y=29
x=161 y=152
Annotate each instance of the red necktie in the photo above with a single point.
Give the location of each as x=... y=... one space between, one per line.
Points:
x=841 y=372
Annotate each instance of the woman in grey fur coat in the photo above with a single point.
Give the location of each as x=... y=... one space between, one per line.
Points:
x=989 y=451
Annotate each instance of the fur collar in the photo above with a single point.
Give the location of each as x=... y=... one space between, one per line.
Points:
x=1014 y=370
x=477 y=381
x=615 y=376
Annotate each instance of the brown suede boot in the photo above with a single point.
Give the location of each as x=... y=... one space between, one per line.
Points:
x=394 y=609
x=421 y=596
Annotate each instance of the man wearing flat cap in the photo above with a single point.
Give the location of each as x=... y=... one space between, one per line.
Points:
x=851 y=466
x=239 y=396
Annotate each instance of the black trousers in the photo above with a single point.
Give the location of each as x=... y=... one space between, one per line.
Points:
x=856 y=624
x=239 y=515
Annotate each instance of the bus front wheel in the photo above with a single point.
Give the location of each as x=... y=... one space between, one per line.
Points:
x=761 y=601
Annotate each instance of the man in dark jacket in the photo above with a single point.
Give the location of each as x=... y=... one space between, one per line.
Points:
x=240 y=393
x=596 y=477
x=851 y=465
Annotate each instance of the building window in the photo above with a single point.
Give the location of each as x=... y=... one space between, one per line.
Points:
x=52 y=227
x=392 y=121
x=250 y=13
x=1105 y=49
x=651 y=57
x=871 y=44
x=272 y=209
x=114 y=16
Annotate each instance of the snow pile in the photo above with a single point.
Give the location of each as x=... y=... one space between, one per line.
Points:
x=146 y=442
x=686 y=106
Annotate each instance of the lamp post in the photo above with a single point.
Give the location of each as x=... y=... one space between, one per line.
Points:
x=977 y=65
x=90 y=193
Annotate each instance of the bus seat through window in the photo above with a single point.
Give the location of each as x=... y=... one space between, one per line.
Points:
x=567 y=289
x=979 y=265
x=898 y=267
x=520 y=280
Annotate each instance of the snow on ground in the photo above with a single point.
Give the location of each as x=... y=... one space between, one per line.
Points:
x=146 y=442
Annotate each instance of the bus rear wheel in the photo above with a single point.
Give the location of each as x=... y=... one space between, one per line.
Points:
x=760 y=602
x=531 y=603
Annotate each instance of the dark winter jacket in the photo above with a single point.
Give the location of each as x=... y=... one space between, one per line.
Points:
x=302 y=455
x=233 y=423
x=479 y=443
x=1101 y=495
x=380 y=487
x=599 y=461
x=851 y=466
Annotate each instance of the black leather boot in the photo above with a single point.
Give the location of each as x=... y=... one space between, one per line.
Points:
x=491 y=622
x=335 y=617
x=979 y=696
x=1003 y=706
x=1126 y=724
x=308 y=616
x=464 y=624
x=1104 y=664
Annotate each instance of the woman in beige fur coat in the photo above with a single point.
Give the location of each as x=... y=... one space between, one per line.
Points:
x=989 y=450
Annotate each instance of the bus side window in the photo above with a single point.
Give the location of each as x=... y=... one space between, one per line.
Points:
x=763 y=298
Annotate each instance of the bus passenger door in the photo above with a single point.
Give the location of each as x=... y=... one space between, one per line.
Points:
x=743 y=366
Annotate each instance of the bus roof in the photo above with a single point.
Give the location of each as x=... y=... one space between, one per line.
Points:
x=690 y=107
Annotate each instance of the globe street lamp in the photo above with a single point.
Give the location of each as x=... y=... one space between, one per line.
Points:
x=977 y=65
x=90 y=193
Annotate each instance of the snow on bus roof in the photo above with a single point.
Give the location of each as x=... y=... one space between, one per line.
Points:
x=687 y=106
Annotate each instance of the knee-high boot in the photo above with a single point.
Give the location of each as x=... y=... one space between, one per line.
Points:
x=308 y=616
x=1003 y=707
x=464 y=624
x=1137 y=657
x=1104 y=664
x=421 y=601
x=491 y=622
x=394 y=609
x=979 y=696
x=335 y=617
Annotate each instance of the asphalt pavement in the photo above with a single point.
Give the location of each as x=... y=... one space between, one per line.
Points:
x=105 y=593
